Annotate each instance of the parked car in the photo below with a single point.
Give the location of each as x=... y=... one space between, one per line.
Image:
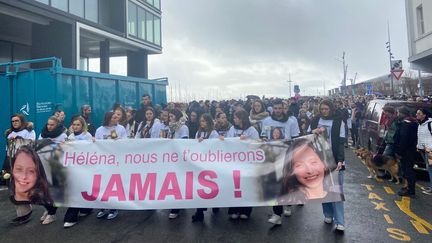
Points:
x=372 y=130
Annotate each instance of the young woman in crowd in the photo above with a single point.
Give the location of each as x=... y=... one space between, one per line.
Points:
x=130 y=124
x=178 y=130
x=79 y=128
x=242 y=128
x=205 y=131
x=193 y=123
x=110 y=129
x=150 y=127
x=55 y=131
x=222 y=125
x=257 y=114
x=164 y=124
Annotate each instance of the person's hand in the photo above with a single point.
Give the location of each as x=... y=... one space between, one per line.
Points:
x=340 y=166
x=242 y=137
x=93 y=139
x=221 y=138
x=318 y=131
x=200 y=140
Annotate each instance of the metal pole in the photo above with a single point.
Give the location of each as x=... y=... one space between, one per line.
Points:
x=289 y=81
x=421 y=88
x=390 y=58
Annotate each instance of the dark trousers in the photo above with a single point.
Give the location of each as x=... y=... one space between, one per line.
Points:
x=240 y=210
x=408 y=171
x=73 y=213
x=354 y=134
x=278 y=210
x=51 y=209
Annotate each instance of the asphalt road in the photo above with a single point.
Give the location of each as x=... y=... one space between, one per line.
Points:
x=373 y=213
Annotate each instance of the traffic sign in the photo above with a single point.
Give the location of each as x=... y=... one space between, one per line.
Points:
x=397 y=73
x=396 y=65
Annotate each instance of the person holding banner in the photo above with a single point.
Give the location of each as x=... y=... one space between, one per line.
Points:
x=150 y=127
x=222 y=125
x=329 y=121
x=79 y=128
x=242 y=128
x=177 y=130
x=54 y=130
x=205 y=131
x=110 y=129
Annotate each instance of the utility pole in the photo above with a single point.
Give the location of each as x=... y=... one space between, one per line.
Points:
x=345 y=70
x=289 y=81
x=390 y=57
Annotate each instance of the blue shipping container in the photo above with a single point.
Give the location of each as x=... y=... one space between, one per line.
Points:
x=37 y=93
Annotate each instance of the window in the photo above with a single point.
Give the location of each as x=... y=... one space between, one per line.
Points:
x=157 y=4
x=91 y=10
x=132 y=19
x=157 y=31
x=377 y=113
x=420 y=20
x=43 y=1
x=149 y=25
x=76 y=7
x=141 y=23
x=60 y=4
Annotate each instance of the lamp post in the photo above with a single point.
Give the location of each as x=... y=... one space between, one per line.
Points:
x=289 y=81
x=345 y=70
x=388 y=46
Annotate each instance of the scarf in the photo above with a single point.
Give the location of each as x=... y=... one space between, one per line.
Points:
x=284 y=118
x=174 y=126
x=222 y=127
x=258 y=116
x=54 y=133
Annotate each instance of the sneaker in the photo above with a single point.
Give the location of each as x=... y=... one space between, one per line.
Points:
x=275 y=219
x=244 y=216
x=328 y=220
x=49 y=219
x=69 y=224
x=44 y=215
x=112 y=214
x=102 y=213
x=427 y=191
x=340 y=227
x=425 y=188
x=234 y=216
x=287 y=211
x=21 y=220
x=406 y=193
x=173 y=215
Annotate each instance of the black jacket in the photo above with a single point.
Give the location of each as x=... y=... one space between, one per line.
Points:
x=337 y=142
x=405 y=138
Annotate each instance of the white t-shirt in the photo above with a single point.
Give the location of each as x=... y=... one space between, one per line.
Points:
x=105 y=132
x=327 y=124
x=182 y=132
x=269 y=125
x=82 y=136
x=294 y=126
x=213 y=134
x=24 y=134
x=61 y=138
x=251 y=132
x=154 y=130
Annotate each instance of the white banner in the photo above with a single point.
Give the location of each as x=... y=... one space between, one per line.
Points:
x=182 y=173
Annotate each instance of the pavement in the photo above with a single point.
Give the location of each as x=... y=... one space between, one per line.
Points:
x=373 y=213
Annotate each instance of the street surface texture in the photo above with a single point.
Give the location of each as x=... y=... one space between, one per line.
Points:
x=373 y=213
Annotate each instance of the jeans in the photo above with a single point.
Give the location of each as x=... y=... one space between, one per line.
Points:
x=335 y=210
x=428 y=167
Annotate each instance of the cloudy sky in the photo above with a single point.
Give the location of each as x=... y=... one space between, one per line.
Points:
x=231 y=48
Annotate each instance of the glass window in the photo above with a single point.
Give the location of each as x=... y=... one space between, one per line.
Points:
x=43 y=1
x=369 y=110
x=377 y=112
x=150 y=1
x=149 y=25
x=420 y=20
x=157 y=31
x=141 y=23
x=76 y=7
x=157 y=4
x=91 y=10
x=60 y=4
x=132 y=18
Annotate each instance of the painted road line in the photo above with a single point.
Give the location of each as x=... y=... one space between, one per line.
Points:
x=388 y=219
x=420 y=224
x=389 y=190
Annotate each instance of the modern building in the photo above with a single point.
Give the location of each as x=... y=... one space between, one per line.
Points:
x=80 y=31
x=419 y=24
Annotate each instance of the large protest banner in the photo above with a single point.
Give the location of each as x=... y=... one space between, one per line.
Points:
x=176 y=173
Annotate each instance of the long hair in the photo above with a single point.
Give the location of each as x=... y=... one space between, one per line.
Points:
x=39 y=194
x=83 y=123
x=107 y=118
x=330 y=104
x=244 y=118
x=177 y=113
x=209 y=120
x=290 y=184
x=22 y=120
x=263 y=107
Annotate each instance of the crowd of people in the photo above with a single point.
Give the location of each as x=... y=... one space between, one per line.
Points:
x=254 y=118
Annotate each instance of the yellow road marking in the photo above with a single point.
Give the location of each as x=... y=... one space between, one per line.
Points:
x=368 y=187
x=374 y=196
x=388 y=219
x=420 y=224
x=389 y=190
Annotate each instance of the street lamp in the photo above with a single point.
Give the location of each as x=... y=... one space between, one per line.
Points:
x=289 y=81
x=388 y=46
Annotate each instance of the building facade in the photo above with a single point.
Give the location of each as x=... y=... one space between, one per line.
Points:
x=78 y=31
x=419 y=24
